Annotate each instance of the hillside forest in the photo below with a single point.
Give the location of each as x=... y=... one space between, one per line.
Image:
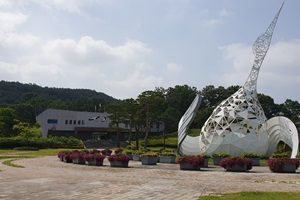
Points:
x=23 y=102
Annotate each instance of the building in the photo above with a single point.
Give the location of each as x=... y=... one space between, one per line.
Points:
x=82 y=125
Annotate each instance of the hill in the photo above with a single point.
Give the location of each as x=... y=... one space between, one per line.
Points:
x=14 y=93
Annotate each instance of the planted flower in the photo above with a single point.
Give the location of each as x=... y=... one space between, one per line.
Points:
x=250 y=155
x=149 y=154
x=167 y=153
x=149 y=158
x=220 y=155
x=167 y=157
x=119 y=157
x=289 y=165
x=235 y=163
x=190 y=162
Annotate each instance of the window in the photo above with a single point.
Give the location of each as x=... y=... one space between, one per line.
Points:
x=82 y=122
x=66 y=122
x=79 y=122
x=52 y=121
x=74 y=121
x=70 y=121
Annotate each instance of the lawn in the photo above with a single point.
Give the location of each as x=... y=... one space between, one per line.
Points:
x=255 y=196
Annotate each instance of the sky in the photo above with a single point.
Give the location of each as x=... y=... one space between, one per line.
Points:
x=123 y=48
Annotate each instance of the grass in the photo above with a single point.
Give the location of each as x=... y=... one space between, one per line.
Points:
x=12 y=155
x=9 y=163
x=255 y=196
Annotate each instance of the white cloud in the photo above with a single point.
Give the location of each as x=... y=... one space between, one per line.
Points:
x=10 y=21
x=224 y=13
x=6 y=3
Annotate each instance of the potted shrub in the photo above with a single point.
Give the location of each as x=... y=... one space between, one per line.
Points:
x=65 y=156
x=253 y=156
x=77 y=157
x=281 y=155
x=190 y=162
x=149 y=158
x=128 y=152
x=94 y=159
x=118 y=160
x=106 y=152
x=136 y=155
x=167 y=157
x=217 y=157
x=206 y=159
x=283 y=165
x=236 y=164
x=61 y=155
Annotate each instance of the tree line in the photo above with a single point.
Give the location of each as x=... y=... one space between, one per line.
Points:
x=150 y=107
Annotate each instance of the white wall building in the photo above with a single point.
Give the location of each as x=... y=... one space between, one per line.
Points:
x=82 y=125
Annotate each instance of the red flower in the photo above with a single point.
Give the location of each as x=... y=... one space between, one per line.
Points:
x=231 y=161
x=277 y=164
x=195 y=161
x=119 y=157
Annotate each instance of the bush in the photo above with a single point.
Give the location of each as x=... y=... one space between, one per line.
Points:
x=41 y=142
x=170 y=142
x=250 y=155
x=281 y=155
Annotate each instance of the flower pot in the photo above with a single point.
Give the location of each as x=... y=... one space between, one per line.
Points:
x=67 y=159
x=255 y=161
x=167 y=159
x=188 y=166
x=116 y=163
x=129 y=155
x=78 y=161
x=236 y=168
x=217 y=160
x=149 y=160
x=283 y=165
x=136 y=157
x=287 y=168
x=206 y=162
x=95 y=162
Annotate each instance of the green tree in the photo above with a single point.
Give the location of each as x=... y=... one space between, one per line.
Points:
x=7 y=121
x=116 y=116
x=25 y=112
x=178 y=99
x=26 y=131
x=151 y=103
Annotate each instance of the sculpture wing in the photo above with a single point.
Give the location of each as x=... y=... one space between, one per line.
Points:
x=187 y=144
x=282 y=129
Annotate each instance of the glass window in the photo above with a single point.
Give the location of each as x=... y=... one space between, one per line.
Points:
x=74 y=121
x=66 y=122
x=79 y=122
x=52 y=121
x=70 y=121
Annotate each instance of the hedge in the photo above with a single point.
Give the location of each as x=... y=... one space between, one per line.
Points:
x=41 y=142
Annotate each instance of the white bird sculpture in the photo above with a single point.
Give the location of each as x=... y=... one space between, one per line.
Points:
x=238 y=125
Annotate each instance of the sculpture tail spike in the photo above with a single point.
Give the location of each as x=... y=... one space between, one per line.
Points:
x=260 y=49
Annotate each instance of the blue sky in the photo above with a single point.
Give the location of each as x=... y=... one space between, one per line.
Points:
x=123 y=48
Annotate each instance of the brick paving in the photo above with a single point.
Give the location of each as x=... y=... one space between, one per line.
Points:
x=48 y=178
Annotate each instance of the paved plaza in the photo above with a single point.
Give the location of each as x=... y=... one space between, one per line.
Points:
x=48 y=178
